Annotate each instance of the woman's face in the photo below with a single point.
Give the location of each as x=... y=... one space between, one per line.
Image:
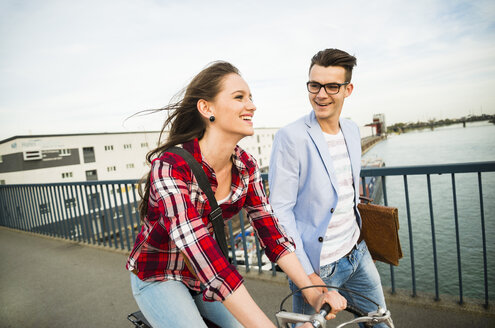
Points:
x=233 y=107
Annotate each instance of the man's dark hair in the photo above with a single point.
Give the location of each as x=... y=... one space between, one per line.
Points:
x=335 y=57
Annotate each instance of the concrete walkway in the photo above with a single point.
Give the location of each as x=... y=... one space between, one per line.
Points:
x=47 y=282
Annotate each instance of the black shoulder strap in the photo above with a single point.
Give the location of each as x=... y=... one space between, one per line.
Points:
x=215 y=216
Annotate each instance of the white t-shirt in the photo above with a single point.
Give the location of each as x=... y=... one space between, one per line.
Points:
x=343 y=231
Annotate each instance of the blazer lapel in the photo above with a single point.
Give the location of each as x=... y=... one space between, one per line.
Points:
x=316 y=135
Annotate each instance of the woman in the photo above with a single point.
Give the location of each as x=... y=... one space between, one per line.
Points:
x=175 y=255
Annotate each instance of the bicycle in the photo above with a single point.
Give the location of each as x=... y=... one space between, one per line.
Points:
x=285 y=319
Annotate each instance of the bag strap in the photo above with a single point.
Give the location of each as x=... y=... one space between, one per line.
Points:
x=366 y=200
x=215 y=215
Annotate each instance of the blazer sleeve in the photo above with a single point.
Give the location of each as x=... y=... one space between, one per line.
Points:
x=283 y=180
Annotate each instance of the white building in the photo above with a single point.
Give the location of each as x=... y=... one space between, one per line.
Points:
x=95 y=156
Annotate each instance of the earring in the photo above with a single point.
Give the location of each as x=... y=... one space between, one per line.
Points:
x=212 y=118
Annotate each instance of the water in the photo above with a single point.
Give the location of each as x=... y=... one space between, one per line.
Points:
x=451 y=144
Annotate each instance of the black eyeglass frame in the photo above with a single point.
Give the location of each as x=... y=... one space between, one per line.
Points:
x=325 y=87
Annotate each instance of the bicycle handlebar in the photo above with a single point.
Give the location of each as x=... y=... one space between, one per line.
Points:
x=285 y=318
x=325 y=309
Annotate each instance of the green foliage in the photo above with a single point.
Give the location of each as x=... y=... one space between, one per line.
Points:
x=404 y=127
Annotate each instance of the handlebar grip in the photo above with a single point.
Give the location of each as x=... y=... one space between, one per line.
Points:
x=325 y=309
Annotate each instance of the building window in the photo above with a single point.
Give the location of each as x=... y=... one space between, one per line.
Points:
x=91 y=175
x=110 y=147
x=258 y=137
x=1 y=159
x=89 y=154
x=144 y=144
x=70 y=202
x=66 y=175
x=127 y=146
x=94 y=201
x=111 y=168
x=44 y=208
x=64 y=152
x=261 y=162
x=130 y=165
x=2 y=182
x=32 y=155
x=259 y=150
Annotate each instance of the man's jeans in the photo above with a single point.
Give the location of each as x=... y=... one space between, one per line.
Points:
x=169 y=304
x=355 y=272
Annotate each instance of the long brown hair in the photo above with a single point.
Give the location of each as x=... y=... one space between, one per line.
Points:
x=184 y=120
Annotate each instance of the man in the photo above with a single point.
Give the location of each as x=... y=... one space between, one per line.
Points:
x=314 y=187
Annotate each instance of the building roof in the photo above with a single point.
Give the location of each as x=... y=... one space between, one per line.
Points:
x=87 y=134
x=71 y=135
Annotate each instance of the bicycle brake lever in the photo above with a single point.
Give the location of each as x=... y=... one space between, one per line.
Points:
x=373 y=317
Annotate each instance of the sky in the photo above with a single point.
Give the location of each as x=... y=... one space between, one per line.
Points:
x=87 y=66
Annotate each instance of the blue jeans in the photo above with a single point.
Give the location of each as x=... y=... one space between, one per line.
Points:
x=169 y=304
x=356 y=272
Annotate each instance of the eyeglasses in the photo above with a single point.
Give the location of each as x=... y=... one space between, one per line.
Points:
x=330 y=88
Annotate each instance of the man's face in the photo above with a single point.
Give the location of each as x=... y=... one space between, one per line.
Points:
x=328 y=107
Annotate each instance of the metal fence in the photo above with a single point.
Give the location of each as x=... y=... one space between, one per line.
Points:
x=105 y=213
x=426 y=172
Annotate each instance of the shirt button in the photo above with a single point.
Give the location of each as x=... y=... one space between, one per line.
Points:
x=320 y=239
x=332 y=210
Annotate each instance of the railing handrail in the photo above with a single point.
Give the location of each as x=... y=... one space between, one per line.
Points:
x=472 y=167
x=82 y=183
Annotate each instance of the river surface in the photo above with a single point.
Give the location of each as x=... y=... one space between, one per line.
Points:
x=450 y=144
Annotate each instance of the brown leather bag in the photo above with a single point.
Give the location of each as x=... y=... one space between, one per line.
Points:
x=380 y=230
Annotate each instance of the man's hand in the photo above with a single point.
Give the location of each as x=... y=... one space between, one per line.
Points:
x=336 y=301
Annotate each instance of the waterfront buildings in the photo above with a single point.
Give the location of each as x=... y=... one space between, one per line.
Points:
x=27 y=159
x=95 y=156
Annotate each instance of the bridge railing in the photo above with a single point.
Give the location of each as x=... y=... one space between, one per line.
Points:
x=105 y=213
x=448 y=214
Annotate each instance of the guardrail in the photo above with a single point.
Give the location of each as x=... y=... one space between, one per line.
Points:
x=427 y=171
x=105 y=213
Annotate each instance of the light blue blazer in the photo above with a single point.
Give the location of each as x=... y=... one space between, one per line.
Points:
x=303 y=186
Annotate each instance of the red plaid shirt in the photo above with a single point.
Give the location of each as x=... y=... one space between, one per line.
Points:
x=177 y=224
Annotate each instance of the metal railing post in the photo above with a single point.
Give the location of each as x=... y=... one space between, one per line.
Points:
x=123 y=218
x=483 y=235
x=411 y=246
x=47 y=218
x=457 y=239
x=244 y=243
x=433 y=238
x=117 y=217
x=90 y=217
x=232 y=243
x=129 y=209
x=110 y=217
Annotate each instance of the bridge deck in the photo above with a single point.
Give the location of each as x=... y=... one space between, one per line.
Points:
x=46 y=282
